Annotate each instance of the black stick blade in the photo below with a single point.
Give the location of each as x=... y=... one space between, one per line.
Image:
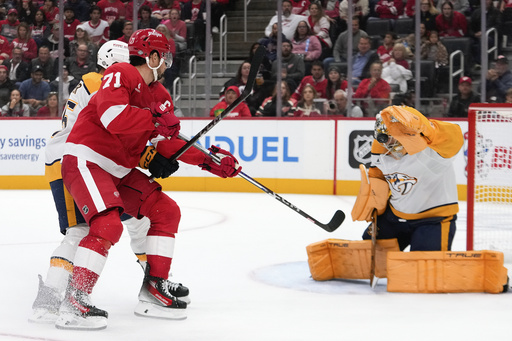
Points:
x=335 y=222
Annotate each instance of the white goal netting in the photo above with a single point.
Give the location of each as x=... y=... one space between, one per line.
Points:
x=490 y=178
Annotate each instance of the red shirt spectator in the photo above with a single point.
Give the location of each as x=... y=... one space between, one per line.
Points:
x=451 y=23
x=70 y=23
x=241 y=110
x=51 y=11
x=374 y=88
x=389 y=9
x=5 y=49
x=111 y=10
x=316 y=79
x=300 y=6
x=25 y=42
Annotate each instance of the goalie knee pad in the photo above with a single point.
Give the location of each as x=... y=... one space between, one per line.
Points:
x=446 y=271
x=347 y=259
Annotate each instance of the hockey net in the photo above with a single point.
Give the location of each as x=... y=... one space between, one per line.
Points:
x=489 y=174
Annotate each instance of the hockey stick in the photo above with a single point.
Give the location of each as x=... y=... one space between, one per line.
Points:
x=331 y=226
x=255 y=66
x=373 y=278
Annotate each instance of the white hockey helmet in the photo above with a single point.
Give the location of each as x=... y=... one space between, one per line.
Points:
x=113 y=51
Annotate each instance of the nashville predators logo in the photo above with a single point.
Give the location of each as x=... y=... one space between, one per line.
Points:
x=401 y=183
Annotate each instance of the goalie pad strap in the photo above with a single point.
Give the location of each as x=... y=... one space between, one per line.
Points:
x=446 y=271
x=347 y=259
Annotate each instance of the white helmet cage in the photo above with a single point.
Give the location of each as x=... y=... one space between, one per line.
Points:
x=381 y=134
x=113 y=51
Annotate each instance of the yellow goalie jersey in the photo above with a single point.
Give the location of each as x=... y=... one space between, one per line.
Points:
x=79 y=97
x=423 y=184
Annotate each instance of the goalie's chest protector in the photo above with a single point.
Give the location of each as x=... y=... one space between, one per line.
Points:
x=420 y=182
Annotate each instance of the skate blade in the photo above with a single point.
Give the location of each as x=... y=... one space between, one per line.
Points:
x=74 y=322
x=146 y=309
x=43 y=316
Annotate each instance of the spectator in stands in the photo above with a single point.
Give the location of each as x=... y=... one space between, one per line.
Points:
x=97 y=28
x=306 y=45
x=362 y=60
x=45 y=62
x=177 y=29
x=424 y=34
x=506 y=10
x=81 y=8
x=171 y=73
x=192 y=12
x=16 y=107
x=335 y=81
x=498 y=80
x=289 y=21
x=5 y=49
x=460 y=103
x=306 y=106
x=240 y=79
x=451 y=23
x=52 y=42
x=341 y=46
x=34 y=90
x=111 y=10
x=399 y=54
x=127 y=31
x=146 y=20
x=292 y=70
x=6 y=86
x=68 y=83
x=217 y=11
x=26 y=11
x=265 y=67
x=434 y=50
x=360 y=9
x=51 y=11
x=339 y=106
x=269 y=105
x=9 y=26
x=300 y=7
x=18 y=70
x=25 y=42
x=162 y=8
x=81 y=64
x=70 y=23
x=82 y=37
x=461 y=6
x=320 y=27
x=384 y=51
x=394 y=71
x=374 y=90
x=316 y=79
x=241 y=110
x=493 y=20
x=270 y=43
x=40 y=28
x=51 y=108
x=428 y=13
x=389 y=9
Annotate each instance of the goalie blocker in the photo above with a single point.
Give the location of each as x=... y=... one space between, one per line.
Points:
x=419 y=271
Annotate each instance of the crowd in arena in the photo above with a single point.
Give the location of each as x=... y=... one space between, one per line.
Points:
x=314 y=52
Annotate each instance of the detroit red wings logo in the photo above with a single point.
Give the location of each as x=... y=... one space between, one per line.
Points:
x=401 y=183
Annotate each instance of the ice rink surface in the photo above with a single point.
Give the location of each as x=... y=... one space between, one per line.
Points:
x=243 y=257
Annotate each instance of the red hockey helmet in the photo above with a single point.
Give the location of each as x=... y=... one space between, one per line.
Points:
x=143 y=42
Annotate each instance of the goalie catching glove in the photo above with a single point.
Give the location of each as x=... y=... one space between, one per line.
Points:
x=228 y=166
x=158 y=165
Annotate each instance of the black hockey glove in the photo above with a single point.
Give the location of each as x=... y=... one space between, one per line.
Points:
x=157 y=164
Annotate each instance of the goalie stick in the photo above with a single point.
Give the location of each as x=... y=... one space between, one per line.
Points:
x=255 y=65
x=373 y=228
x=331 y=226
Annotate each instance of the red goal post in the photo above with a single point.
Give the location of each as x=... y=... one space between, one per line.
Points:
x=489 y=176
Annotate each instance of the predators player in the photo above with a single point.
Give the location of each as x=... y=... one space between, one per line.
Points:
x=72 y=224
x=412 y=158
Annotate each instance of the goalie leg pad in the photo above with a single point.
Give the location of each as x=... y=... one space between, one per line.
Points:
x=446 y=271
x=347 y=259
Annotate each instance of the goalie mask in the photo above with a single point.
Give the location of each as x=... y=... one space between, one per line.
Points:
x=392 y=145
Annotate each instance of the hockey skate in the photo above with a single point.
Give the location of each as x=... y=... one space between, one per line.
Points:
x=177 y=290
x=77 y=312
x=45 y=308
x=156 y=300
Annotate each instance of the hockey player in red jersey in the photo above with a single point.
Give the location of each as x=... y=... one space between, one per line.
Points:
x=98 y=167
